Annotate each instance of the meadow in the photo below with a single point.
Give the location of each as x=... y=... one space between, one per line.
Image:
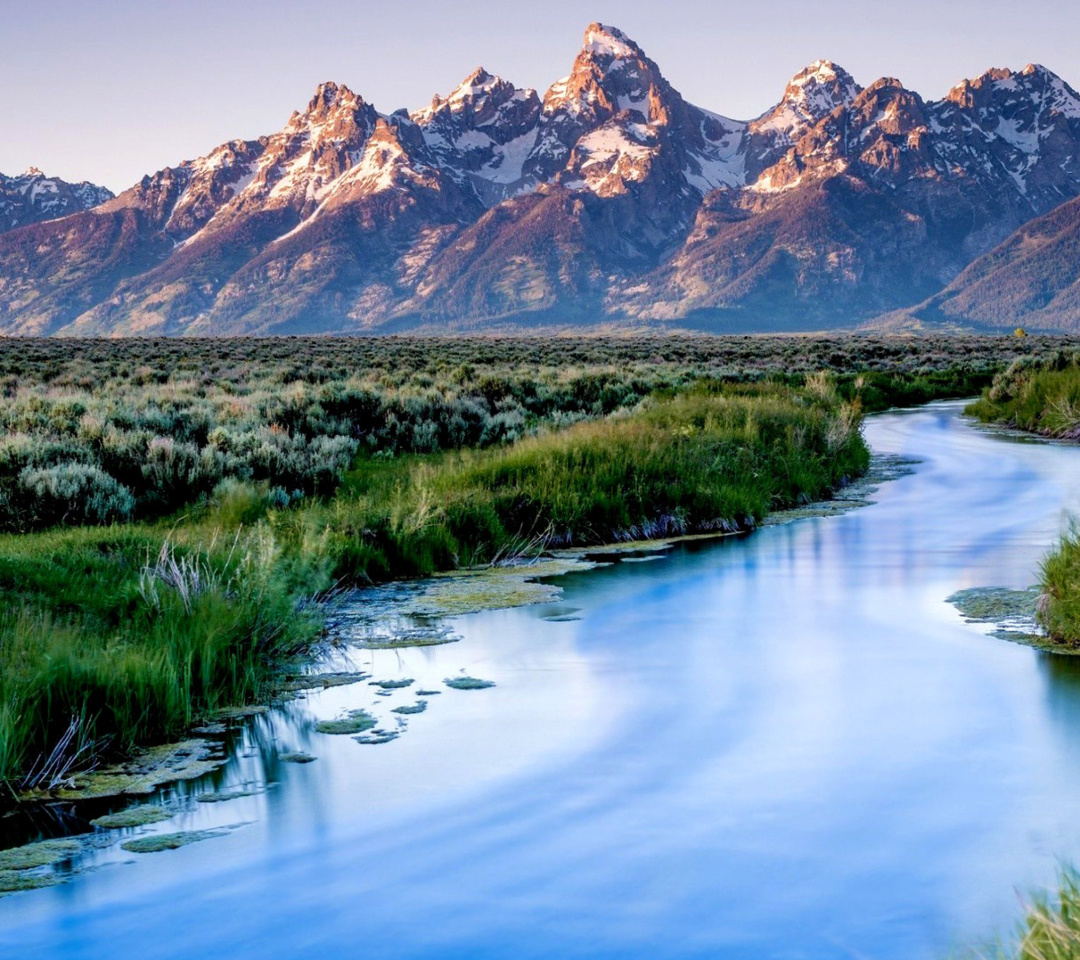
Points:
x=174 y=510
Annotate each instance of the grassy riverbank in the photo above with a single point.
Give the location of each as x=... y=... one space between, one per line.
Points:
x=1050 y=929
x=1042 y=395
x=128 y=633
x=168 y=507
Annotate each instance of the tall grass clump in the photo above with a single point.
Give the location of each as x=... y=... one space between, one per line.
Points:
x=1037 y=394
x=1059 y=606
x=128 y=637
x=717 y=459
x=1050 y=928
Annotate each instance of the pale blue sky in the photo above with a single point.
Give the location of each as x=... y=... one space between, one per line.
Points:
x=109 y=91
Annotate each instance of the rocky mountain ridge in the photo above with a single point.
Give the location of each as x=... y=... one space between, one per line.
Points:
x=32 y=197
x=608 y=199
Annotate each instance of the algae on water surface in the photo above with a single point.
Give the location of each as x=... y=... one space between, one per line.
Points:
x=139 y=815
x=355 y=721
x=169 y=841
x=468 y=683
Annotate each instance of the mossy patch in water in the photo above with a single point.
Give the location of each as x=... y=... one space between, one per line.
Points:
x=221 y=796
x=322 y=681
x=423 y=635
x=428 y=693
x=139 y=815
x=392 y=684
x=296 y=756
x=43 y=853
x=377 y=737
x=1012 y=612
x=355 y=721
x=210 y=730
x=468 y=683
x=146 y=770
x=17 y=881
x=995 y=604
x=422 y=603
x=169 y=841
x=419 y=707
x=242 y=713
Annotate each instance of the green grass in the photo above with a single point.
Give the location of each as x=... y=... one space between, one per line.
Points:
x=1042 y=395
x=1050 y=928
x=139 y=631
x=1059 y=609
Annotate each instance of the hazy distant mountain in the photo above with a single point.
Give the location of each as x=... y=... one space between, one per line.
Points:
x=32 y=197
x=1030 y=280
x=608 y=199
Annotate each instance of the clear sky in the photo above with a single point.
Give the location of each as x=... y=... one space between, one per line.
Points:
x=108 y=91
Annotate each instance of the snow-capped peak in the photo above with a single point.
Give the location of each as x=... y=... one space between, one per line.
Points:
x=812 y=94
x=608 y=43
x=820 y=88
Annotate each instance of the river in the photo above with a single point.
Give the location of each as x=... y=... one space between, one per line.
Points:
x=784 y=745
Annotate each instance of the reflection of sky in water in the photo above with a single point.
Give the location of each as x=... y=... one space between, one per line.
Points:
x=784 y=745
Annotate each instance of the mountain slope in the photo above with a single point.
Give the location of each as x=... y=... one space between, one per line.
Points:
x=1030 y=280
x=607 y=199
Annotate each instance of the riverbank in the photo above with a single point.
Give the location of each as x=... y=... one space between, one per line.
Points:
x=1041 y=395
x=116 y=636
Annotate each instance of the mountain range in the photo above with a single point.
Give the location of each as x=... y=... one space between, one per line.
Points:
x=608 y=200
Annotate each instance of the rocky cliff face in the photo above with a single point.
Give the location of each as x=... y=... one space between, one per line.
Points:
x=608 y=199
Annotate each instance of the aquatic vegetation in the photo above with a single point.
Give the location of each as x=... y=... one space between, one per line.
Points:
x=21 y=868
x=321 y=681
x=468 y=683
x=44 y=853
x=355 y=721
x=142 y=772
x=17 y=881
x=156 y=843
x=296 y=756
x=392 y=684
x=995 y=604
x=222 y=796
x=139 y=815
x=377 y=737
x=418 y=707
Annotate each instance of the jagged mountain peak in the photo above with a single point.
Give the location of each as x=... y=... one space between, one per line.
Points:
x=821 y=73
x=612 y=187
x=472 y=95
x=331 y=101
x=610 y=73
x=608 y=43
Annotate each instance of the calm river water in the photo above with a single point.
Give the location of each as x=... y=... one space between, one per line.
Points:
x=785 y=745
